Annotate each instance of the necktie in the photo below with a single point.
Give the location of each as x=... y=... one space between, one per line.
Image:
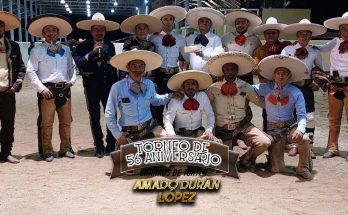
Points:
x=168 y=40
x=2 y=48
x=301 y=53
x=343 y=47
x=191 y=104
x=229 y=89
x=276 y=96
x=138 y=88
x=240 y=39
x=201 y=39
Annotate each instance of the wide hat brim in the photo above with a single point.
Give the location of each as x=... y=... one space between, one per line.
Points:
x=151 y=59
x=216 y=17
x=11 y=21
x=179 y=13
x=128 y=25
x=316 y=29
x=36 y=25
x=297 y=68
x=87 y=24
x=254 y=20
x=204 y=79
x=334 y=23
x=258 y=30
x=245 y=62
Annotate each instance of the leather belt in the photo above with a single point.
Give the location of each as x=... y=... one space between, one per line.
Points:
x=170 y=70
x=55 y=85
x=136 y=128
x=230 y=126
x=271 y=125
x=186 y=132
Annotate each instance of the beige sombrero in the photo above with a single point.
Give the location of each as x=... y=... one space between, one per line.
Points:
x=297 y=68
x=244 y=61
x=271 y=23
x=254 y=20
x=204 y=79
x=179 y=13
x=151 y=59
x=216 y=17
x=128 y=25
x=334 y=23
x=11 y=21
x=98 y=19
x=304 y=25
x=36 y=24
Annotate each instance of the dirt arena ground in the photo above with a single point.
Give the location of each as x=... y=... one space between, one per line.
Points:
x=81 y=186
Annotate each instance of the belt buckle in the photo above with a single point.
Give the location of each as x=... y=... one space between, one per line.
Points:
x=59 y=85
x=231 y=126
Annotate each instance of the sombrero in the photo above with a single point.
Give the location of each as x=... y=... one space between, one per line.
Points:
x=98 y=19
x=11 y=21
x=179 y=13
x=151 y=59
x=254 y=20
x=297 y=68
x=271 y=23
x=204 y=79
x=128 y=25
x=334 y=23
x=36 y=24
x=216 y=17
x=305 y=25
x=244 y=61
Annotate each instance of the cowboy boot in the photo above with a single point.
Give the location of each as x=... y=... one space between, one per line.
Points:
x=303 y=167
x=276 y=156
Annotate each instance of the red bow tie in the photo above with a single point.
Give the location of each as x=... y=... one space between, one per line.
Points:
x=272 y=49
x=240 y=39
x=283 y=101
x=191 y=104
x=229 y=89
x=168 y=40
x=343 y=47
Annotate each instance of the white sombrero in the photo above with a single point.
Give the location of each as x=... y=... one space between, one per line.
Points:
x=271 y=23
x=334 y=23
x=151 y=59
x=244 y=61
x=11 y=21
x=304 y=25
x=204 y=79
x=297 y=68
x=98 y=19
x=128 y=25
x=179 y=13
x=36 y=24
x=254 y=20
x=216 y=17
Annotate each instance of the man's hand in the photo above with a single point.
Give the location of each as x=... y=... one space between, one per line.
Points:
x=208 y=135
x=122 y=140
x=297 y=136
x=47 y=94
x=67 y=85
x=98 y=45
x=11 y=90
x=126 y=43
x=199 y=53
x=178 y=95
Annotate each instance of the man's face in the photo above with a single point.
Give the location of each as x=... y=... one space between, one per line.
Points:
x=303 y=37
x=281 y=76
x=271 y=36
x=344 y=31
x=190 y=87
x=241 y=24
x=98 y=32
x=141 y=31
x=230 y=71
x=2 y=28
x=136 y=69
x=50 y=33
x=168 y=21
x=204 y=24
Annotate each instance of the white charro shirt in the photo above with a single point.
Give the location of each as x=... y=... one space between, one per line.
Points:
x=231 y=109
x=170 y=55
x=251 y=43
x=313 y=59
x=188 y=119
x=4 y=76
x=214 y=47
x=43 y=68
x=339 y=62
